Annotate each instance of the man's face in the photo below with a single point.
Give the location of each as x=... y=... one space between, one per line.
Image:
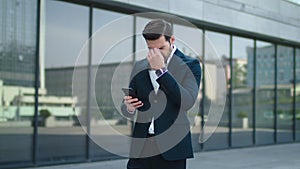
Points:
x=164 y=46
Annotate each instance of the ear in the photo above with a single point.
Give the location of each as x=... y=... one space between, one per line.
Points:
x=172 y=39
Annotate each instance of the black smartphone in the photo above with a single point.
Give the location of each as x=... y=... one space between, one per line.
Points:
x=129 y=92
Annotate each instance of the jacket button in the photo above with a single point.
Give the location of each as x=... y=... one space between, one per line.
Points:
x=155 y=101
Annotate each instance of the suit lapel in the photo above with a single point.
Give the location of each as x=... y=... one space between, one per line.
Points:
x=177 y=65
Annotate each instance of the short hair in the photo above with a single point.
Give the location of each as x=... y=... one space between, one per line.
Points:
x=156 y=28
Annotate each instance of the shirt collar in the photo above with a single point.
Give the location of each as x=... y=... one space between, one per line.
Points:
x=171 y=54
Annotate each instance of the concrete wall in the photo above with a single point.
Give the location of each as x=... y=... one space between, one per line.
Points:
x=277 y=18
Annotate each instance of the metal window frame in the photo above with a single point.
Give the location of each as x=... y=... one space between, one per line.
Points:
x=203 y=90
x=276 y=95
x=37 y=84
x=254 y=95
x=89 y=84
x=294 y=96
x=230 y=92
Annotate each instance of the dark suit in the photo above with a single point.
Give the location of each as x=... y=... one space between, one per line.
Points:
x=177 y=94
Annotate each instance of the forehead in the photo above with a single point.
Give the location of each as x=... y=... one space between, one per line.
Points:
x=158 y=43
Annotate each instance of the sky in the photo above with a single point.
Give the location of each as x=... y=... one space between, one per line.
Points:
x=295 y=1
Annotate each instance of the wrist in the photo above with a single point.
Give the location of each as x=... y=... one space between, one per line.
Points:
x=160 y=71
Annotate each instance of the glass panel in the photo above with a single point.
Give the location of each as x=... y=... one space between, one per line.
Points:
x=17 y=79
x=60 y=136
x=265 y=84
x=216 y=46
x=298 y=94
x=285 y=86
x=189 y=41
x=112 y=64
x=242 y=91
x=108 y=40
x=141 y=46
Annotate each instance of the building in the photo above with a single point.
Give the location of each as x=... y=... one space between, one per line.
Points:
x=17 y=105
x=265 y=60
x=17 y=42
x=250 y=52
x=17 y=66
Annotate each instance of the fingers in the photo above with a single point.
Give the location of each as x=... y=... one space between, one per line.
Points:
x=137 y=104
x=156 y=52
x=132 y=103
x=150 y=55
x=155 y=58
x=153 y=53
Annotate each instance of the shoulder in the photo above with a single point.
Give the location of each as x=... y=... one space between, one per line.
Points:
x=185 y=58
x=141 y=65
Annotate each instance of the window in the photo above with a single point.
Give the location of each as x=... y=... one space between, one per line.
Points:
x=217 y=48
x=284 y=97
x=242 y=91
x=112 y=57
x=17 y=78
x=297 y=94
x=65 y=34
x=265 y=85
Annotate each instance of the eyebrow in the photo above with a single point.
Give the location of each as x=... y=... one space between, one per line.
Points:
x=159 y=47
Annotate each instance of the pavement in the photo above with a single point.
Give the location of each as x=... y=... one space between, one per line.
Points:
x=280 y=156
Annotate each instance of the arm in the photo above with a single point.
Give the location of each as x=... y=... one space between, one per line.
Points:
x=183 y=93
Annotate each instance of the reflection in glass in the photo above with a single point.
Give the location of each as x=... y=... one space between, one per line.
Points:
x=141 y=46
x=242 y=89
x=17 y=79
x=297 y=94
x=109 y=40
x=265 y=86
x=188 y=40
x=285 y=86
x=216 y=49
x=111 y=66
x=60 y=135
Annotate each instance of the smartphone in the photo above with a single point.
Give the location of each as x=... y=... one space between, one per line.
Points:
x=129 y=92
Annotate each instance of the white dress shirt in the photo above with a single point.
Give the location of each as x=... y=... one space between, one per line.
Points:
x=155 y=85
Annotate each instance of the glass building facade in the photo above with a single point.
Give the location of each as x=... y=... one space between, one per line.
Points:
x=18 y=42
x=54 y=80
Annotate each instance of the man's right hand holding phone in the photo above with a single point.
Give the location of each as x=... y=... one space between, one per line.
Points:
x=132 y=103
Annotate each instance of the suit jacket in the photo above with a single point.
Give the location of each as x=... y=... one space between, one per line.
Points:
x=176 y=95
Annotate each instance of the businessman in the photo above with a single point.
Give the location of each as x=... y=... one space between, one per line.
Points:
x=166 y=85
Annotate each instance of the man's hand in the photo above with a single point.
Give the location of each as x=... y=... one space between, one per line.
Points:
x=132 y=103
x=156 y=59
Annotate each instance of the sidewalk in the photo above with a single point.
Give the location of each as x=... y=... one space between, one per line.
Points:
x=283 y=156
